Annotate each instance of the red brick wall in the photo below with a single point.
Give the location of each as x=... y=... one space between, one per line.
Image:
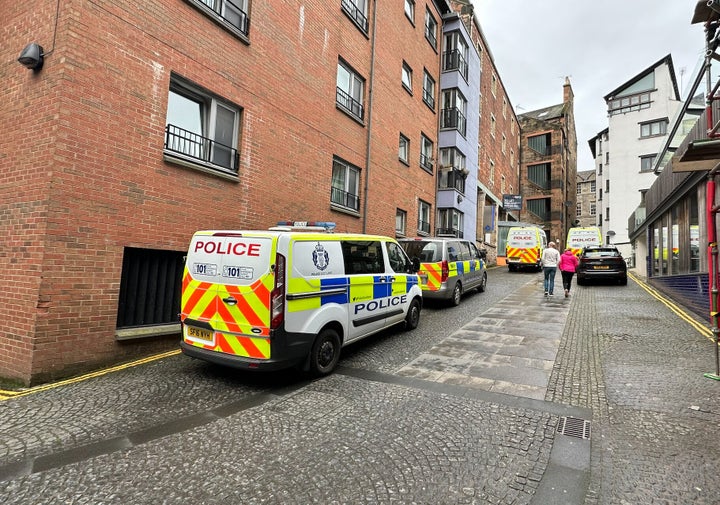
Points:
x=85 y=150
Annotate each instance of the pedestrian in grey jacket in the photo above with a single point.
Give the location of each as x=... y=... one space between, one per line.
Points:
x=550 y=259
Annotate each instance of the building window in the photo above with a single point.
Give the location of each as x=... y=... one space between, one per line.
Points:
x=493 y=125
x=600 y=195
x=607 y=186
x=629 y=103
x=502 y=184
x=410 y=10
x=450 y=222
x=356 y=10
x=607 y=213
x=431 y=29
x=452 y=172
x=400 y=222
x=578 y=209
x=540 y=144
x=579 y=188
x=540 y=175
x=600 y=169
x=455 y=54
x=426 y=153
x=428 y=90
x=592 y=186
x=407 y=77
x=350 y=90
x=454 y=110
x=149 y=287
x=493 y=85
x=345 y=185
x=593 y=209
x=491 y=180
x=404 y=151
x=607 y=157
x=653 y=128
x=503 y=145
x=540 y=207
x=423 y=217
x=230 y=14
x=647 y=162
x=201 y=129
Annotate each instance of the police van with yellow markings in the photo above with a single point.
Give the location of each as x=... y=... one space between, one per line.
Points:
x=449 y=267
x=292 y=295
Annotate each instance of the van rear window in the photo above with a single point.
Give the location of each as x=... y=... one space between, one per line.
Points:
x=425 y=251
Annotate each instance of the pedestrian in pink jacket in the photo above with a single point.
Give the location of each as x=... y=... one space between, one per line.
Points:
x=568 y=264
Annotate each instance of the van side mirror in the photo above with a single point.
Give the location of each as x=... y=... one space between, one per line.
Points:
x=415 y=265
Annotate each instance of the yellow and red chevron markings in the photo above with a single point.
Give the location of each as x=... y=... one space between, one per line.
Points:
x=433 y=271
x=241 y=329
x=525 y=255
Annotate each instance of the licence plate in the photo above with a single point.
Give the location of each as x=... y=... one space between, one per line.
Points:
x=199 y=333
x=601 y=267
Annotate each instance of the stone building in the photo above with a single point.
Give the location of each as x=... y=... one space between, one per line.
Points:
x=586 y=205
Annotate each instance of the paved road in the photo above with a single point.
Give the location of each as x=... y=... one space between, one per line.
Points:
x=465 y=409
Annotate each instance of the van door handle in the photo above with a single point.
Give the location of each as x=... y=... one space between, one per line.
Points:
x=230 y=300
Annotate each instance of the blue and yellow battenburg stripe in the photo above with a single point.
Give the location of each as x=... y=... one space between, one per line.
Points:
x=433 y=272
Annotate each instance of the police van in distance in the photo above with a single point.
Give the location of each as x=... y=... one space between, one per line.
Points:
x=292 y=295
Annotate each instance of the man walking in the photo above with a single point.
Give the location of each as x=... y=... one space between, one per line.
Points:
x=550 y=259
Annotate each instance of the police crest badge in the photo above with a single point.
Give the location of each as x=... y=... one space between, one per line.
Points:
x=321 y=258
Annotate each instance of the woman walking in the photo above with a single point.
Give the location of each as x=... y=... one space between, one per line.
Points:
x=550 y=259
x=568 y=264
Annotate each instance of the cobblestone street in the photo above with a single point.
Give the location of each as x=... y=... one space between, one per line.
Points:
x=461 y=410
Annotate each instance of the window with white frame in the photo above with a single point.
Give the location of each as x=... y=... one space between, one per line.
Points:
x=491 y=180
x=431 y=28
x=653 y=128
x=400 y=222
x=454 y=111
x=201 y=128
x=350 y=90
x=407 y=76
x=345 y=185
x=502 y=184
x=578 y=209
x=493 y=85
x=426 y=153
x=232 y=14
x=503 y=144
x=592 y=186
x=452 y=171
x=450 y=222
x=356 y=10
x=492 y=125
x=428 y=89
x=455 y=54
x=410 y=10
x=404 y=149
x=593 y=209
x=423 y=217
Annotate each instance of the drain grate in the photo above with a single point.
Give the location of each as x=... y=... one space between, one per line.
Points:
x=574 y=427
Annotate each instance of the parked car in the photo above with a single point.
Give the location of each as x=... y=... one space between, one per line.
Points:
x=601 y=262
x=449 y=267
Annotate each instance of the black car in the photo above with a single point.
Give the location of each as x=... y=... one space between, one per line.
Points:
x=601 y=262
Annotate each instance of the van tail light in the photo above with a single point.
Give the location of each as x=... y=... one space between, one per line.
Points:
x=444 y=272
x=277 y=295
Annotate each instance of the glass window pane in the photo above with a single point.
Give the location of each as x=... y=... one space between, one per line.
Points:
x=185 y=113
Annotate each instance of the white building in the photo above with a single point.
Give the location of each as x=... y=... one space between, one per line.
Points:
x=639 y=112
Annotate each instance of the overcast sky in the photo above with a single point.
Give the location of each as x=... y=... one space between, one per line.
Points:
x=598 y=44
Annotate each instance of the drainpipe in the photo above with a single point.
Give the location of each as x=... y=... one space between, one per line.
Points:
x=369 y=118
x=712 y=210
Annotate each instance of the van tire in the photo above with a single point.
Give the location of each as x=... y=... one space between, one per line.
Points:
x=483 y=283
x=412 y=319
x=456 y=294
x=325 y=352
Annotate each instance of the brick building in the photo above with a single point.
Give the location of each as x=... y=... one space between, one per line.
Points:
x=548 y=166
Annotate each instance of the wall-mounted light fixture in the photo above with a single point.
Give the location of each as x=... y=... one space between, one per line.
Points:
x=32 y=56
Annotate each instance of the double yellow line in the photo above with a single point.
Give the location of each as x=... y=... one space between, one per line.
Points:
x=701 y=328
x=6 y=395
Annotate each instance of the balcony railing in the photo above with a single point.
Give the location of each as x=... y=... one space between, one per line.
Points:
x=230 y=13
x=345 y=199
x=355 y=14
x=454 y=60
x=349 y=103
x=424 y=226
x=426 y=162
x=196 y=147
x=451 y=232
x=452 y=179
x=429 y=98
x=453 y=118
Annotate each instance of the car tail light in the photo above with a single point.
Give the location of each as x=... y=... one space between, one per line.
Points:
x=277 y=295
x=444 y=272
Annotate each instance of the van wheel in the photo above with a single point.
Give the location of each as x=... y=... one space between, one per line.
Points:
x=413 y=315
x=457 y=294
x=325 y=352
x=483 y=284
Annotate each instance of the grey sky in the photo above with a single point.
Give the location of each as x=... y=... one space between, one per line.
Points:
x=599 y=45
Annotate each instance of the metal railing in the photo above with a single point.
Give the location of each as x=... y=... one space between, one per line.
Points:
x=424 y=226
x=429 y=98
x=349 y=103
x=192 y=145
x=449 y=232
x=454 y=60
x=230 y=13
x=453 y=118
x=355 y=14
x=426 y=162
x=341 y=197
x=452 y=179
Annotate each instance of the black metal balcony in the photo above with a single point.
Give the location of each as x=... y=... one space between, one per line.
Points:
x=345 y=199
x=449 y=232
x=355 y=14
x=452 y=179
x=196 y=147
x=453 y=119
x=454 y=60
x=349 y=103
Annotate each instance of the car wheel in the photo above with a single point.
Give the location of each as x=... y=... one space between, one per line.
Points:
x=623 y=281
x=413 y=315
x=511 y=268
x=483 y=284
x=456 y=294
x=325 y=352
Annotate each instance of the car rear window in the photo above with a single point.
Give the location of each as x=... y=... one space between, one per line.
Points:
x=602 y=253
x=425 y=251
